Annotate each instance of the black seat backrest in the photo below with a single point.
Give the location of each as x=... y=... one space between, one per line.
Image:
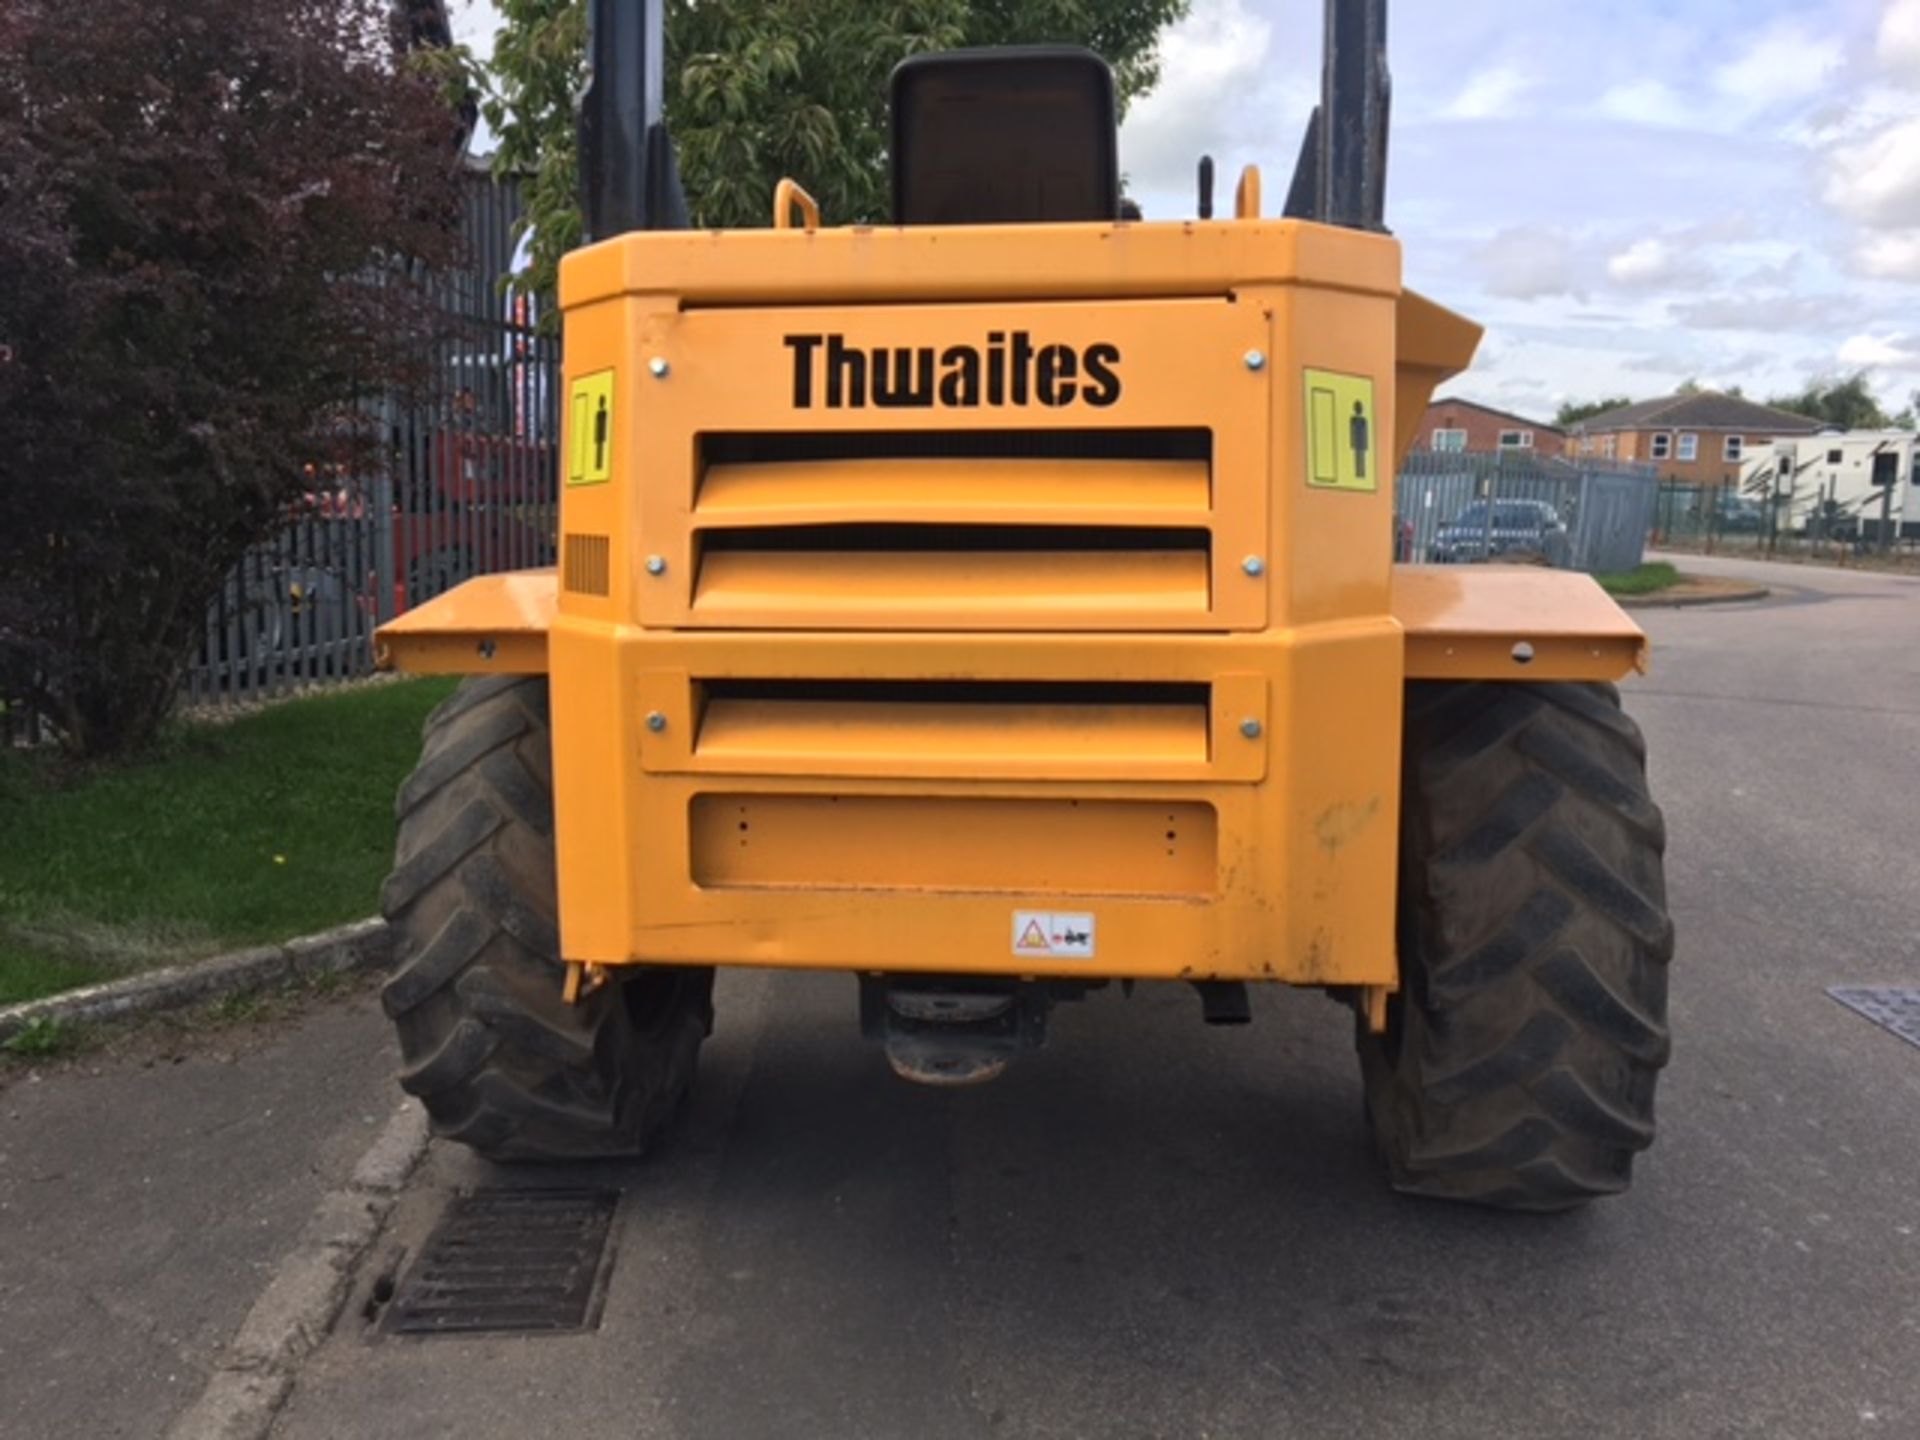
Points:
x=984 y=137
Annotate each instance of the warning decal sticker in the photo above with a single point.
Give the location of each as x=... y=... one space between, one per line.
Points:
x=1039 y=933
x=590 y=429
x=1343 y=445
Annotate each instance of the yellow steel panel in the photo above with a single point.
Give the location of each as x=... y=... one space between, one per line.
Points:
x=1258 y=923
x=1225 y=741
x=955 y=844
x=1338 y=835
x=893 y=589
x=1331 y=547
x=900 y=265
x=492 y=624
x=1431 y=344
x=455 y=654
x=1303 y=848
x=1178 y=365
x=805 y=735
x=1520 y=622
x=601 y=817
x=602 y=339
x=1026 y=492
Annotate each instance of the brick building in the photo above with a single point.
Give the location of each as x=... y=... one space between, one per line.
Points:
x=1700 y=438
x=1461 y=426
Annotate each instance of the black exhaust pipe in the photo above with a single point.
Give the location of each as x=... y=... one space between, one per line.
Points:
x=628 y=177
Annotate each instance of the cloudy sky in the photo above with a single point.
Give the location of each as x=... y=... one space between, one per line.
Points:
x=1627 y=193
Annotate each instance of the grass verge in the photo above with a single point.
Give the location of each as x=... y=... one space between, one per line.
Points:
x=241 y=1020
x=1647 y=579
x=269 y=826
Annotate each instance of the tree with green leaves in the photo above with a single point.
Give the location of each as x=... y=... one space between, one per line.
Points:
x=1574 y=411
x=1844 y=402
x=758 y=89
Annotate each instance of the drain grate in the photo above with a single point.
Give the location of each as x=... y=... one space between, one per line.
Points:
x=1895 y=1010
x=508 y=1261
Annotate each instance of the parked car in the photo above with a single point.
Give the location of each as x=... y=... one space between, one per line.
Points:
x=1737 y=515
x=1515 y=530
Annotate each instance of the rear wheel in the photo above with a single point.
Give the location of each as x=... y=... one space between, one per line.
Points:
x=1520 y=1056
x=502 y=1062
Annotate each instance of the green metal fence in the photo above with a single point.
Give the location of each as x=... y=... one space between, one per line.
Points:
x=1722 y=519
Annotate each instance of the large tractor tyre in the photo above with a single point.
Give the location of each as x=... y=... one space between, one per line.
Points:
x=502 y=1062
x=1518 y=1064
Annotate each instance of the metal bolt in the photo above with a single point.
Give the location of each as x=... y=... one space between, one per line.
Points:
x=1256 y=359
x=656 y=722
x=658 y=367
x=1254 y=565
x=1250 y=728
x=656 y=565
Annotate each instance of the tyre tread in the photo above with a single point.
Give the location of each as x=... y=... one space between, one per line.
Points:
x=1527 y=1038
x=502 y=1062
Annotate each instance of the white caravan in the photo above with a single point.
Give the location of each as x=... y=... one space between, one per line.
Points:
x=1847 y=484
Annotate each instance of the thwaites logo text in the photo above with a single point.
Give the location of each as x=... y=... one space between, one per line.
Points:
x=1009 y=369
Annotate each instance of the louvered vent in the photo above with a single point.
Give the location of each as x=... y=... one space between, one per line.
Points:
x=997 y=529
x=587 y=565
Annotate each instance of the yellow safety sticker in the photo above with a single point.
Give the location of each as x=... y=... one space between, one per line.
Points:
x=1343 y=445
x=590 y=429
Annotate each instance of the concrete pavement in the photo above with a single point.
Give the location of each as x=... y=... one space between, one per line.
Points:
x=146 y=1198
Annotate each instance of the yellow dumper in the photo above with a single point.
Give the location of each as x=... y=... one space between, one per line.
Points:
x=999 y=603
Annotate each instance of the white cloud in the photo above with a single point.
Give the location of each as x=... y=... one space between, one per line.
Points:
x=1645 y=102
x=1887 y=352
x=1214 y=66
x=1877 y=181
x=1784 y=62
x=1651 y=262
x=1527 y=262
x=1897 y=46
x=1768 y=314
x=1488 y=94
x=1889 y=257
x=1776 y=274
x=1786 y=65
x=1726 y=227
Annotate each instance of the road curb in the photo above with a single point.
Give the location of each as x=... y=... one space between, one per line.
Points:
x=289 y=1319
x=1689 y=602
x=359 y=946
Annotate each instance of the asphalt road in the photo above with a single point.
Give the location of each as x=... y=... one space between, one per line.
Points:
x=1156 y=1229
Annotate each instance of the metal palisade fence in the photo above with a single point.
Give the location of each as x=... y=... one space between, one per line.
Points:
x=1519 y=507
x=1806 y=524
x=464 y=485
